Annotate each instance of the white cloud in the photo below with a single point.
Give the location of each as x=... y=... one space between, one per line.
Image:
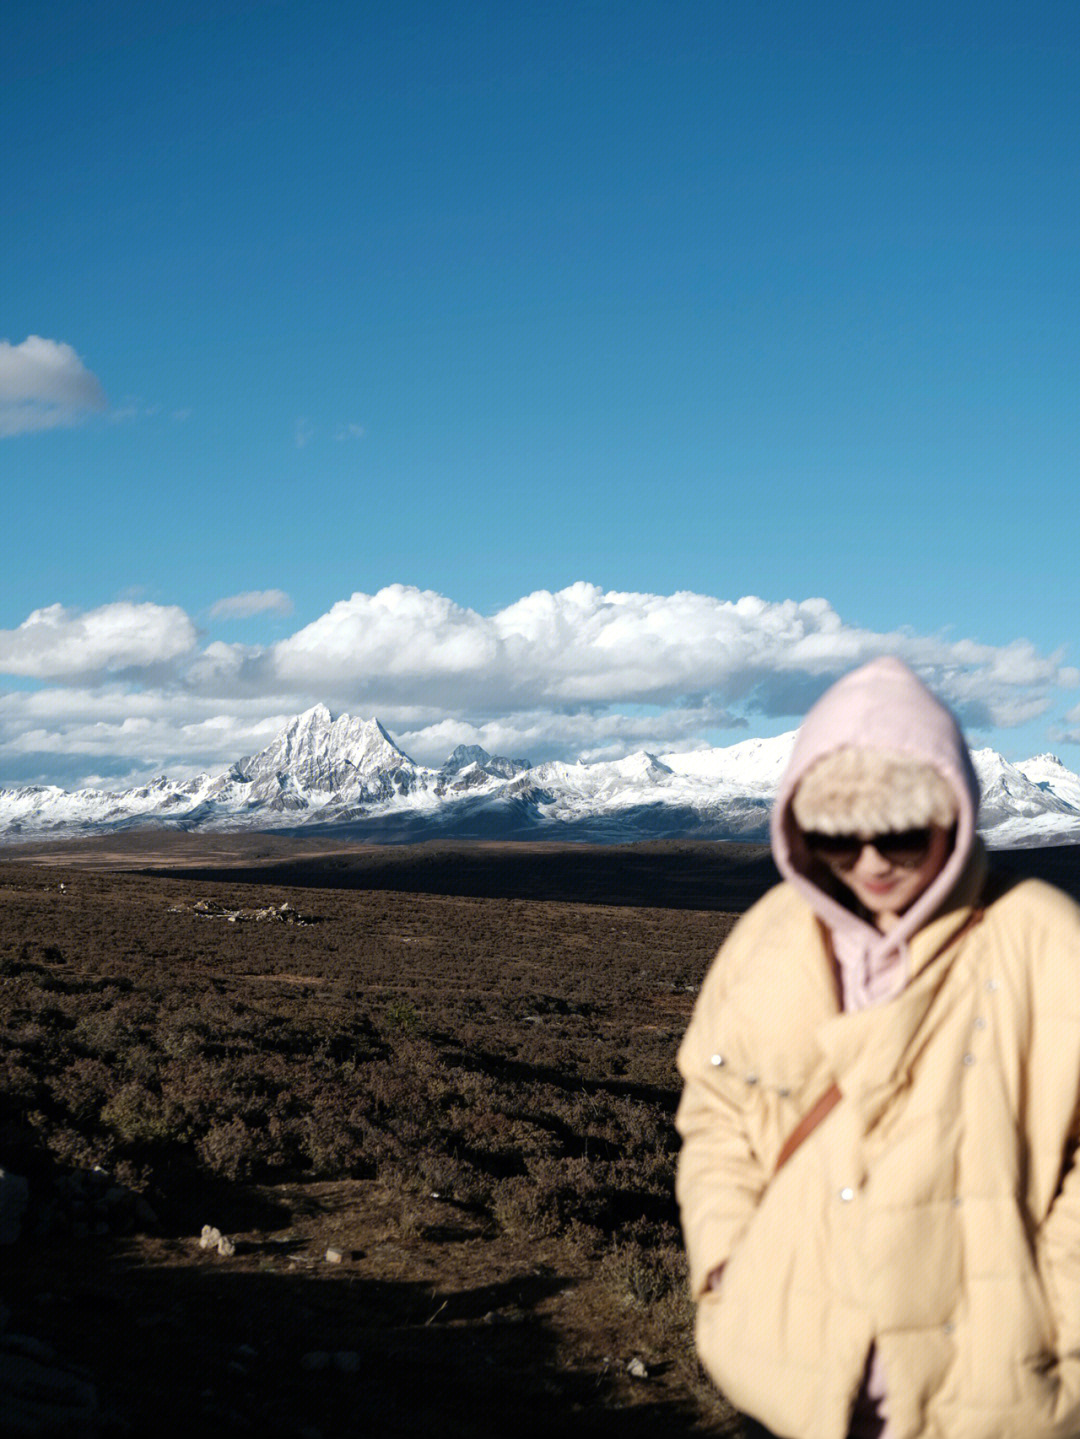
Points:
x=252 y=602
x=44 y=385
x=56 y=642
x=556 y=674
x=584 y=646
x=112 y=735
x=396 y=640
x=540 y=735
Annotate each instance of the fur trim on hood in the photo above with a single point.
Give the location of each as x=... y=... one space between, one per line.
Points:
x=876 y=727
x=869 y=791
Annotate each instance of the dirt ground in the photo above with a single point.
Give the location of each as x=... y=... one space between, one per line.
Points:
x=451 y=1064
x=468 y=1097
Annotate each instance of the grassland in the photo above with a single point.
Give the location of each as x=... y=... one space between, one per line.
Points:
x=467 y=1095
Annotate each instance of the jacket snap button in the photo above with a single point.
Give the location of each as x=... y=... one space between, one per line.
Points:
x=751 y=1079
x=717 y=1059
x=980 y=1023
x=969 y=1059
x=847 y=1194
x=948 y=1326
x=991 y=985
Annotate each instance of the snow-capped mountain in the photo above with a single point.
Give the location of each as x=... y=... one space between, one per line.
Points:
x=318 y=760
x=347 y=775
x=1034 y=802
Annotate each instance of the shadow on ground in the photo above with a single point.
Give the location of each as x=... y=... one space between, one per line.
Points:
x=206 y=1348
x=664 y=874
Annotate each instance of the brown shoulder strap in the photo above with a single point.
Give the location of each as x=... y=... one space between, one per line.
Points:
x=996 y=885
x=807 y=1124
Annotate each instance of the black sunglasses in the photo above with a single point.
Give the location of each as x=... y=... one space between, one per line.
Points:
x=905 y=847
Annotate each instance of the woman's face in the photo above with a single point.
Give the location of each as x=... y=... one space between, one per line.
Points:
x=886 y=887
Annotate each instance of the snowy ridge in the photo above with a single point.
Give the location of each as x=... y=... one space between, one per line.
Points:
x=348 y=774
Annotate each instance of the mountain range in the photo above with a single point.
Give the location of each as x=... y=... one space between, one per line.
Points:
x=347 y=776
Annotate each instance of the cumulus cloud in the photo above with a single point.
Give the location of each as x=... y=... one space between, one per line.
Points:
x=556 y=674
x=56 y=643
x=539 y=735
x=112 y=735
x=585 y=646
x=1069 y=733
x=44 y=385
x=252 y=602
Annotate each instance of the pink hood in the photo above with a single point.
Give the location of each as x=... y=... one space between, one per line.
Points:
x=881 y=706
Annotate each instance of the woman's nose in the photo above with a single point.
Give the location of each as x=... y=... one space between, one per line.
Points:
x=870 y=862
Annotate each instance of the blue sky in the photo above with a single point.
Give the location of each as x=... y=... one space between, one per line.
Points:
x=469 y=364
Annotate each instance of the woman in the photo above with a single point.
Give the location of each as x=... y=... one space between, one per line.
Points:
x=880 y=1113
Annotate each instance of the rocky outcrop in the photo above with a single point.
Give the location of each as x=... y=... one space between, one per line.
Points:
x=14 y=1196
x=80 y=1204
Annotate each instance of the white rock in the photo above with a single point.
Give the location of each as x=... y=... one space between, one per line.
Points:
x=210 y=1237
x=334 y=1256
x=636 y=1368
x=226 y=1248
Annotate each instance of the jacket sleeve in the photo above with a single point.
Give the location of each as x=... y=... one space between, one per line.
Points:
x=1059 y=1243
x=1059 y=1235
x=719 y=1179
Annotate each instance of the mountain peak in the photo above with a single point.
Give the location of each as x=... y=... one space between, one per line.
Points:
x=496 y=765
x=315 y=754
x=316 y=715
x=348 y=772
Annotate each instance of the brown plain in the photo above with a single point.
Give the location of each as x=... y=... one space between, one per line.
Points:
x=451 y=1063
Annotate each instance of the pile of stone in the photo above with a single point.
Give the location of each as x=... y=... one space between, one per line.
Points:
x=82 y=1204
x=214 y=909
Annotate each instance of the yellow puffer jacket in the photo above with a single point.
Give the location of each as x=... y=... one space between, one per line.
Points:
x=935 y=1213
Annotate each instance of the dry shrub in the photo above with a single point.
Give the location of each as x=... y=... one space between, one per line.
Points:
x=138 y=1117
x=550 y=1110
x=521 y=1207
x=644 y=1276
x=83 y=1088
x=229 y=1149
x=401 y=1015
